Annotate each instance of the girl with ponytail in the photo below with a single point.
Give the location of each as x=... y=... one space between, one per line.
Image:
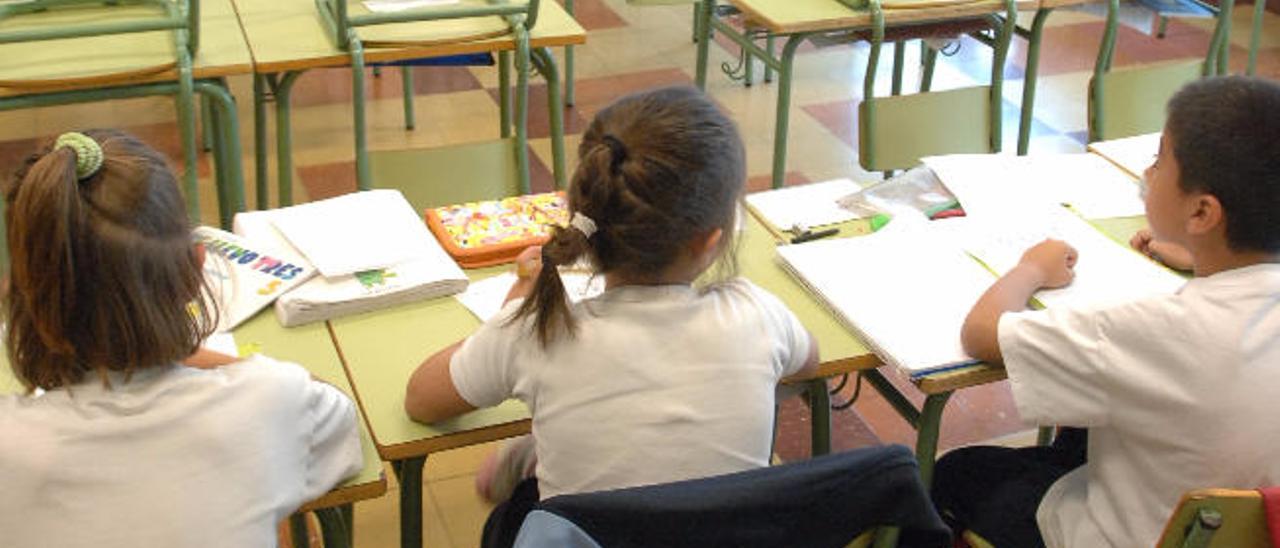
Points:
x=659 y=378
x=129 y=434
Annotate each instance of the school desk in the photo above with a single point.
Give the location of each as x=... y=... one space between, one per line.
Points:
x=311 y=347
x=95 y=68
x=380 y=350
x=288 y=37
x=842 y=351
x=801 y=20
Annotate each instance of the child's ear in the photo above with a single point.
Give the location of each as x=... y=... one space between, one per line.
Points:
x=199 y=251
x=706 y=244
x=1206 y=215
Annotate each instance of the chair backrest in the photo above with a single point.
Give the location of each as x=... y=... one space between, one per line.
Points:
x=832 y=500
x=342 y=24
x=1217 y=518
x=178 y=15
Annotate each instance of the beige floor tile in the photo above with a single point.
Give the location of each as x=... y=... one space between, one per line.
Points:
x=455 y=463
x=377 y=522
x=463 y=512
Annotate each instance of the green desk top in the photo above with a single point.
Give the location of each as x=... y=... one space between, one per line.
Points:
x=68 y=63
x=382 y=348
x=290 y=35
x=311 y=347
x=792 y=16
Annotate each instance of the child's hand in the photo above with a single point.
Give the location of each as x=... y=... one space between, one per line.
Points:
x=1172 y=255
x=528 y=265
x=1053 y=261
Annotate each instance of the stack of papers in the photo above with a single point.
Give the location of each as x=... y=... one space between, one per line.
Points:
x=993 y=184
x=1132 y=154
x=806 y=206
x=370 y=247
x=244 y=275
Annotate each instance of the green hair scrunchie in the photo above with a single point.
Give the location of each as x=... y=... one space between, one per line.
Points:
x=88 y=153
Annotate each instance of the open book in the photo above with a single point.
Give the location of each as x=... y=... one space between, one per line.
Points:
x=907 y=288
x=427 y=272
x=244 y=275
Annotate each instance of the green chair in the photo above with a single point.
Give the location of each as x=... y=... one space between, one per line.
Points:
x=895 y=132
x=1131 y=101
x=517 y=17
x=1217 y=518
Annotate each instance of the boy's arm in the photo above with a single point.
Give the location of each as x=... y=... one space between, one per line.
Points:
x=1047 y=264
x=1172 y=255
x=431 y=395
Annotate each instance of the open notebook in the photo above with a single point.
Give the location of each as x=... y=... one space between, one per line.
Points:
x=907 y=288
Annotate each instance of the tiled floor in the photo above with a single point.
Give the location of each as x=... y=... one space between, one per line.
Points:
x=632 y=48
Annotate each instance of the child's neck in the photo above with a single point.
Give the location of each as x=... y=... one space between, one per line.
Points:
x=1221 y=259
x=682 y=272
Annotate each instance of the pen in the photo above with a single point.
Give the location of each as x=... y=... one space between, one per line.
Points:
x=810 y=236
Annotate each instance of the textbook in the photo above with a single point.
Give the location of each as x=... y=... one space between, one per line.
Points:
x=907 y=288
x=428 y=272
x=245 y=275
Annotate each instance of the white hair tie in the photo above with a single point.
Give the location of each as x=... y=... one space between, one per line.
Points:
x=584 y=224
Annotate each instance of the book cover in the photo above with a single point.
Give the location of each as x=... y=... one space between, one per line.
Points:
x=245 y=275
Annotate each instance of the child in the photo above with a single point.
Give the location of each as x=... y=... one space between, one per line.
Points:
x=654 y=380
x=127 y=447
x=1177 y=391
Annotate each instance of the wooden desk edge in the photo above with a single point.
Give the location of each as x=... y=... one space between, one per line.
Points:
x=383 y=55
x=862 y=19
x=955 y=380
x=349 y=494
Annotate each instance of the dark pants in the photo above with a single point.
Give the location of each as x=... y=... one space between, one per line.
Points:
x=504 y=521
x=994 y=491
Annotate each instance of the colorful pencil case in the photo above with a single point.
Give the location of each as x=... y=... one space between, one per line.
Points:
x=491 y=232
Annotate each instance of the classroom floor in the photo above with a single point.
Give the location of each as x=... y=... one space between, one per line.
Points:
x=631 y=48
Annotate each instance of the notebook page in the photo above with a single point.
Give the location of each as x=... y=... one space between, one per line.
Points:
x=358 y=232
x=1133 y=154
x=1107 y=272
x=484 y=298
x=988 y=184
x=904 y=289
x=807 y=205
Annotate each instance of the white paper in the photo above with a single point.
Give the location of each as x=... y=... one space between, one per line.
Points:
x=385 y=6
x=222 y=341
x=1133 y=154
x=991 y=184
x=1106 y=271
x=808 y=205
x=323 y=298
x=484 y=298
x=904 y=289
x=357 y=232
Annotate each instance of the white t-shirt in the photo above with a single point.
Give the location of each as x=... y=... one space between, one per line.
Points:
x=659 y=383
x=175 y=457
x=1178 y=392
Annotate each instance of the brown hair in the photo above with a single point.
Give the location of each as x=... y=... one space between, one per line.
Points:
x=656 y=169
x=1226 y=139
x=104 y=275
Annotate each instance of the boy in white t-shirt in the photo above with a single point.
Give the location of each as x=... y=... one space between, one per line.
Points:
x=655 y=380
x=1177 y=391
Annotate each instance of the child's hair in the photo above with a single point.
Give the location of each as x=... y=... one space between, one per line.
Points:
x=657 y=168
x=1226 y=139
x=104 y=274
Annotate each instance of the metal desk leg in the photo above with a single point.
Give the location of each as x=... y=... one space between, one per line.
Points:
x=568 y=63
x=406 y=83
x=1029 y=82
x=784 y=107
x=899 y=59
x=1259 y=9
x=184 y=100
x=334 y=527
x=820 y=412
x=702 y=27
x=284 y=139
x=769 y=39
x=206 y=130
x=364 y=177
x=298 y=530
x=261 y=195
x=928 y=60
x=545 y=62
x=504 y=94
x=927 y=435
x=409 y=473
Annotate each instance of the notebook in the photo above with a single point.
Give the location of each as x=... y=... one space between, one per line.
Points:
x=244 y=275
x=428 y=275
x=990 y=184
x=904 y=291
